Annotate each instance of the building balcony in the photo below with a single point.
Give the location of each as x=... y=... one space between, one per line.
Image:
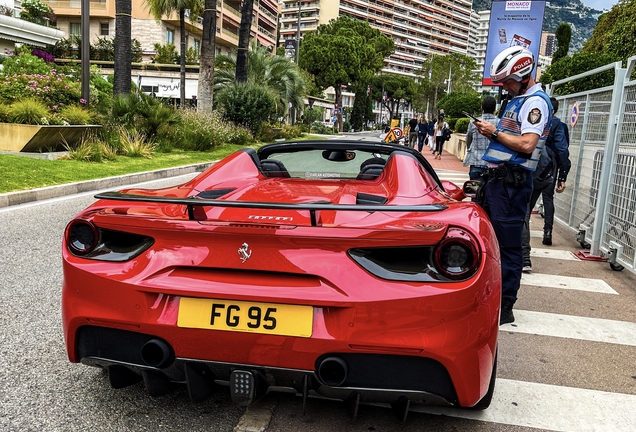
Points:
x=98 y=8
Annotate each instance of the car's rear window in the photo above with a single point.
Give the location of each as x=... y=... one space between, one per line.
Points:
x=316 y=164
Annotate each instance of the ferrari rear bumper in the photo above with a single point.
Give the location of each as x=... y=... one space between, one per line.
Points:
x=131 y=357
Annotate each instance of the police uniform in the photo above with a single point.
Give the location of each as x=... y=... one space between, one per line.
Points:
x=508 y=187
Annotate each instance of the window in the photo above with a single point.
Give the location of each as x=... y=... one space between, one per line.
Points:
x=75 y=29
x=169 y=36
x=197 y=45
x=103 y=29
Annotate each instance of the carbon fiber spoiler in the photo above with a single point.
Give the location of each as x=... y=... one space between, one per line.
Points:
x=192 y=202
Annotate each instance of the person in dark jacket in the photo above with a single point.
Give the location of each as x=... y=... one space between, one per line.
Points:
x=551 y=174
x=422 y=132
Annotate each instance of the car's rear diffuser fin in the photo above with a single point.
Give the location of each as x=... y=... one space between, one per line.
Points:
x=192 y=202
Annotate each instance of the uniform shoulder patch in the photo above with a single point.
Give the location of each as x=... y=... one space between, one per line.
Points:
x=534 y=116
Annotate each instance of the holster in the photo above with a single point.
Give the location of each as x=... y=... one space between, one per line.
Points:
x=512 y=175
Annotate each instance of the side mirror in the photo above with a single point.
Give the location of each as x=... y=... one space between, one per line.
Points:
x=471 y=187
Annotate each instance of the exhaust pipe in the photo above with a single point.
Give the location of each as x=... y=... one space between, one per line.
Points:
x=333 y=371
x=156 y=353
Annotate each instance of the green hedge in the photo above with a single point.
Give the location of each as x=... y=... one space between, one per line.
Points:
x=461 y=126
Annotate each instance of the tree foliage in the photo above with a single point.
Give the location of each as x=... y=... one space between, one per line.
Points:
x=454 y=103
x=434 y=76
x=396 y=87
x=344 y=52
x=576 y=64
x=276 y=73
x=615 y=32
x=246 y=104
x=563 y=36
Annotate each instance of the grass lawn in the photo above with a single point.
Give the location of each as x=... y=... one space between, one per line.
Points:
x=22 y=173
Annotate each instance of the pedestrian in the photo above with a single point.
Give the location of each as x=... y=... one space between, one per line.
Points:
x=439 y=136
x=422 y=132
x=514 y=150
x=477 y=143
x=431 y=134
x=413 y=132
x=552 y=171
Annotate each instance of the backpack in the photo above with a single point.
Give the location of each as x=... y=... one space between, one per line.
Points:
x=446 y=133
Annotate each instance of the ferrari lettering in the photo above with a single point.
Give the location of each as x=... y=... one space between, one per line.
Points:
x=255 y=318
x=271 y=218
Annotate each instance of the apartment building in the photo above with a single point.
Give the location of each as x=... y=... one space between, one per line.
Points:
x=548 y=44
x=149 y=32
x=419 y=27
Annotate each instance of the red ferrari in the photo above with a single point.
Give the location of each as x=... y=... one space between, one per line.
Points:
x=340 y=269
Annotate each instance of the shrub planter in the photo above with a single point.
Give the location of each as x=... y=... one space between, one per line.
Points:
x=37 y=138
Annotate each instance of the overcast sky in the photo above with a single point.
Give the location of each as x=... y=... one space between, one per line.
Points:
x=600 y=4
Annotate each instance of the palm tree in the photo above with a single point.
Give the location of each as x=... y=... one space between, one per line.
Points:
x=123 y=51
x=276 y=73
x=206 y=61
x=247 y=10
x=159 y=8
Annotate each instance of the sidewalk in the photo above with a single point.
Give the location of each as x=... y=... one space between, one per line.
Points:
x=448 y=162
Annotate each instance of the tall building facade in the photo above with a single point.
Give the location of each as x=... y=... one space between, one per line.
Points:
x=548 y=44
x=420 y=28
x=149 y=32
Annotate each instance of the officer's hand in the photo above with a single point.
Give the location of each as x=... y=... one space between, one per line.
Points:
x=560 y=187
x=485 y=128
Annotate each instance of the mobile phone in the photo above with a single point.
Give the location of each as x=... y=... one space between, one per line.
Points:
x=471 y=116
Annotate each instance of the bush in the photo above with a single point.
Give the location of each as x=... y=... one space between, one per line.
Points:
x=75 y=115
x=24 y=79
x=462 y=125
x=25 y=63
x=451 y=122
x=290 y=132
x=4 y=113
x=29 y=111
x=133 y=144
x=203 y=131
x=166 y=54
x=246 y=104
x=91 y=149
x=320 y=128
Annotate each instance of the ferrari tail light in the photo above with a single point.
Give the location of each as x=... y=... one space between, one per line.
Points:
x=81 y=237
x=456 y=256
x=86 y=240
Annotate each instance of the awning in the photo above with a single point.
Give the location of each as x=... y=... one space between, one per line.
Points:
x=17 y=30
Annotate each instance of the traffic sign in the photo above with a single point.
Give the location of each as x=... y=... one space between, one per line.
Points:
x=574 y=114
x=394 y=135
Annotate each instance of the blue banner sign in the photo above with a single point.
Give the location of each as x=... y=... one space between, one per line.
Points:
x=513 y=22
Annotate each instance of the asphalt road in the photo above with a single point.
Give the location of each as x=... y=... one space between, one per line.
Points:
x=568 y=363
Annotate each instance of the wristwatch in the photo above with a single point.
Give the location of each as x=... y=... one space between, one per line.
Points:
x=494 y=135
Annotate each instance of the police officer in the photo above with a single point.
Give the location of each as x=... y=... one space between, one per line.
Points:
x=516 y=143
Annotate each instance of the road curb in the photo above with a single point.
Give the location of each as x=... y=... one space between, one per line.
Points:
x=48 y=192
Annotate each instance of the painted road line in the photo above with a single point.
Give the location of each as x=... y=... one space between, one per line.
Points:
x=554 y=254
x=551 y=407
x=567 y=282
x=573 y=327
x=536 y=233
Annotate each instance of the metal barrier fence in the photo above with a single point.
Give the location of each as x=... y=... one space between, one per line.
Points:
x=600 y=202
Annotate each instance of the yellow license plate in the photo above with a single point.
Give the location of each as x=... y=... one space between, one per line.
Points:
x=229 y=315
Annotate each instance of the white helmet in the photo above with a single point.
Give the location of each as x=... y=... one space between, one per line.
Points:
x=514 y=62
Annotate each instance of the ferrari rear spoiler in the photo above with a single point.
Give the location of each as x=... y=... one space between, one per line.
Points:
x=192 y=202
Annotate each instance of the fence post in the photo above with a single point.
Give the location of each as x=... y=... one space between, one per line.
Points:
x=602 y=204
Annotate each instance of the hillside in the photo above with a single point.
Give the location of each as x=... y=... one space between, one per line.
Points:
x=581 y=18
